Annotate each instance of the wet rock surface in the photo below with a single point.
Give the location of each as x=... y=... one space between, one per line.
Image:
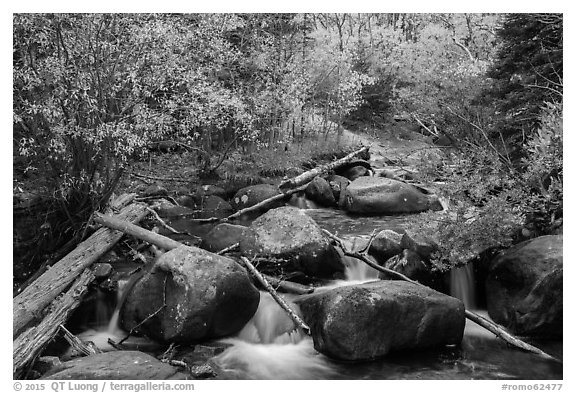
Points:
x=119 y=365
x=224 y=235
x=524 y=288
x=288 y=233
x=190 y=295
x=378 y=195
x=251 y=195
x=367 y=321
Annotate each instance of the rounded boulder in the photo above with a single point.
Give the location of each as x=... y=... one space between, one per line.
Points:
x=190 y=295
x=368 y=321
x=379 y=195
x=251 y=195
x=524 y=288
x=289 y=234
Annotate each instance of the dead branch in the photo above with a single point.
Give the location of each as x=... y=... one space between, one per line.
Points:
x=228 y=249
x=141 y=176
x=288 y=286
x=308 y=176
x=163 y=223
x=461 y=46
x=78 y=345
x=281 y=302
x=424 y=126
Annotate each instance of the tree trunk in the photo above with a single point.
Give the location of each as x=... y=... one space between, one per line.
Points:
x=30 y=343
x=136 y=231
x=311 y=174
x=29 y=306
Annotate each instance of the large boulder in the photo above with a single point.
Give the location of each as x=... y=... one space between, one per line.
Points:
x=288 y=233
x=385 y=245
x=214 y=206
x=355 y=172
x=379 y=195
x=251 y=195
x=119 y=365
x=367 y=321
x=192 y=295
x=224 y=235
x=353 y=169
x=524 y=288
x=420 y=244
x=319 y=190
x=410 y=264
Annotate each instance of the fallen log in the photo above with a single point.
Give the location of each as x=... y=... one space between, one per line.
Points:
x=260 y=205
x=114 y=206
x=288 y=286
x=281 y=302
x=287 y=188
x=311 y=174
x=498 y=330
x=136 y=231
x=29 y=306
x=30 y=343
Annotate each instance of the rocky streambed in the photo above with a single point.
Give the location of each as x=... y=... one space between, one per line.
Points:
x=209 y=319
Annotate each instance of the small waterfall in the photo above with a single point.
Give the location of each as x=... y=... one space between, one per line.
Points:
x=462 y=285
x=108 y=327
x=356 y=270
x=271 y=324
x=270 y=346
x=102 y=309
x=113 y=326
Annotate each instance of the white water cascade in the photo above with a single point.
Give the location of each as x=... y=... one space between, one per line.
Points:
x=270 y=346
x=109 y=329
x=462 y=285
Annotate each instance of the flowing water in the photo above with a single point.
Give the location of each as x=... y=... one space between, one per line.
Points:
x=271 y=347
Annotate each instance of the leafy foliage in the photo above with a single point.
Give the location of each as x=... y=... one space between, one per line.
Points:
x=91 y=91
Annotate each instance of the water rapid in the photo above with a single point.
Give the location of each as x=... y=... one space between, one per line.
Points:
x=271 y=346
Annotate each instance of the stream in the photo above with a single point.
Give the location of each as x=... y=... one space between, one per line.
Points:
x=269 y=346
x=481 y=354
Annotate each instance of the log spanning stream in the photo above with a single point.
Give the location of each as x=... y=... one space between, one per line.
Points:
x=269 y=346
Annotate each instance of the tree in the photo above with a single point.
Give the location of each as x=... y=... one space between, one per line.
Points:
x=526 y=74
